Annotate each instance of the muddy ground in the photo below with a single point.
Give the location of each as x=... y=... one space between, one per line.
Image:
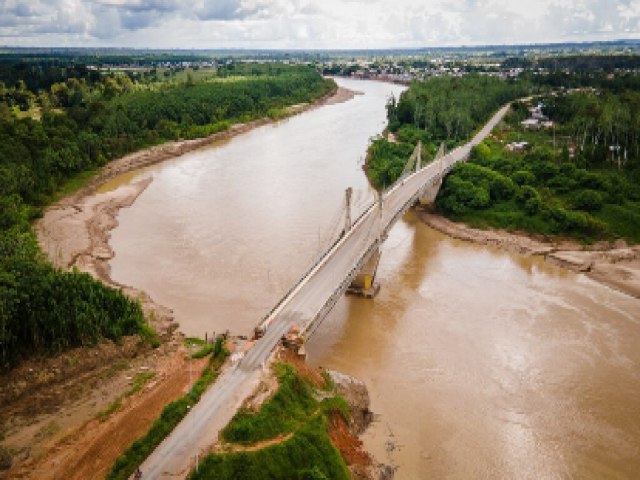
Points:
x=78 y=439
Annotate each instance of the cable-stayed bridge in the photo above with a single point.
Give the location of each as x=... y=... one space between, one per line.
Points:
x=349 y=263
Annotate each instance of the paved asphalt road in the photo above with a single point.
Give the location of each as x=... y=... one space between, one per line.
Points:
x=175 y=456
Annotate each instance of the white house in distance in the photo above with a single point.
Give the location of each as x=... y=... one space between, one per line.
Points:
x=531 y=123
x=517 y=147
x=537 y=119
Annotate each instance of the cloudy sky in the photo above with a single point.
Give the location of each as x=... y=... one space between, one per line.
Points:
x=312 y=23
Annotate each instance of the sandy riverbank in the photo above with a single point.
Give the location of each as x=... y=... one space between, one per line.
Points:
x=75 y=232
x=616 y=265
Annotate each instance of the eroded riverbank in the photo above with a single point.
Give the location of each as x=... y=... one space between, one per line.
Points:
x=616 y=265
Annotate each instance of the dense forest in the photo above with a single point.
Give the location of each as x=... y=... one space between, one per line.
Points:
x=67 y=120
x=580 y=178
x=437 y=110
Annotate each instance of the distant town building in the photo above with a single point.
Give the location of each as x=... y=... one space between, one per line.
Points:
x=517 y=147
x=531 y=123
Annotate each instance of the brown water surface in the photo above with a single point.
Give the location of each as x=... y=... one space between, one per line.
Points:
x=480 y=364
x=484 y=364
x=223 y=232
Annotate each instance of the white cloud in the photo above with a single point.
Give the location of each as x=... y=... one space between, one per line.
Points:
x=312 y=23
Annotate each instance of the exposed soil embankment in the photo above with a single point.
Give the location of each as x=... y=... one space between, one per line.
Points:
x=345 y=437
x=90 y=450
x=616 y=265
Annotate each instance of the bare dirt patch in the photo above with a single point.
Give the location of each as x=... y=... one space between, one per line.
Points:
x=309 y=373
x=349 y=445
x=341 y=95
x=89 y=450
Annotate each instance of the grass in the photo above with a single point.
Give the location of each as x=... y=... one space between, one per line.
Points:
x=307 y=454
x=204 y=349
x=329 y=384
x=113 y=407
x=139 y=381
x=34 y=113
x=149 y=336
x=199 y=75
x=202 y=131
x=73 y=361
x=292 y=404
x=74 y=184
x=623 y=219
x=115 y=368
x=171 y=415
x=47 y=431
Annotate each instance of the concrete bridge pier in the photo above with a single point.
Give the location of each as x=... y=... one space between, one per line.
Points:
x=364 y=284
x=431 y=192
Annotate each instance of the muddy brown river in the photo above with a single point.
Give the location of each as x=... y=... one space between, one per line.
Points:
x=480 y=363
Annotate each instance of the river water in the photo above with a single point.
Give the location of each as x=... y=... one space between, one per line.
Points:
x=480 y=363
x=223 y=232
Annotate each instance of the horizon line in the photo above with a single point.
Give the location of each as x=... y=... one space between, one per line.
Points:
x=635 y=41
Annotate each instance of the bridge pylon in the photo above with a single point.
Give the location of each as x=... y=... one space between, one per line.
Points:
x=364 y=284
x=415 y=161
x=431 y=192
x=347 y=216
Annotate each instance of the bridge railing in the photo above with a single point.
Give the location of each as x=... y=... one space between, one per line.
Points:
x=312 y=325
x=268 y=318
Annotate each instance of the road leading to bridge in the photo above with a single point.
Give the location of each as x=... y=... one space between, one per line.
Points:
x=305 y=305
